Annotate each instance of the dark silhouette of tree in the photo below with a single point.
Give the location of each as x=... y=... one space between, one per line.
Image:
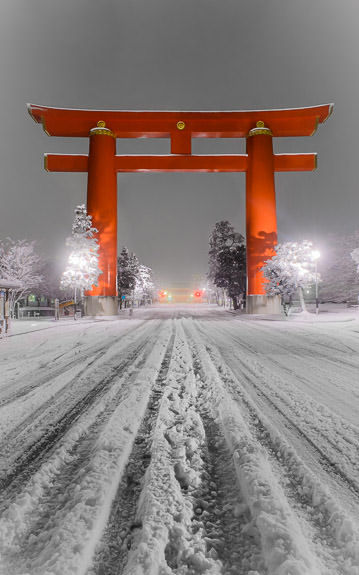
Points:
x=127 y=272
x=227 y=261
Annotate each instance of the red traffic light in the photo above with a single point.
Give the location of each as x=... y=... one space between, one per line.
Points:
x=198 y=293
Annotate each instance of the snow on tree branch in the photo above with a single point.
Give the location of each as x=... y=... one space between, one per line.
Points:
x=82 y=270
x=291 y=270
x=20 y=263
x=355 y=256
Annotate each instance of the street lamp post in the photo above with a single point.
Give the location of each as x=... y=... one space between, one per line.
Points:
x=315 y=257
x=75 y=303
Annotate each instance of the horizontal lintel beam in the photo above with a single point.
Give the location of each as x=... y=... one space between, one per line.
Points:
x=162 y=124
x=180 y=163
x=66 y=163
x=295 y=162
x=132 y=163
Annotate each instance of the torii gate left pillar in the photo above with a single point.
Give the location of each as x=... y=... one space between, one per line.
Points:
x=102 y=205
x=259 y=163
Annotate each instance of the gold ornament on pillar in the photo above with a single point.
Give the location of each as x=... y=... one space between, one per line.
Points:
x=260 y=130
x=101 y=130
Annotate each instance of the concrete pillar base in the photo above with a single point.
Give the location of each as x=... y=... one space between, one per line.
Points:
x=101 y=305
x=263 y=304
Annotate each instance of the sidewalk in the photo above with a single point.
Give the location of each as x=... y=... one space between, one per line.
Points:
x=23 y=326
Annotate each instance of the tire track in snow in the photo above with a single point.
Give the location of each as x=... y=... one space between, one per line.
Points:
x=164 y=540
x=112 y=550
x=190 y=517
x=330 y=455
x=73 y=480
x=30 y=460
x=331 y=530
x=58 y=388
x=219 y=503
x=305 y=348
x=33 y=380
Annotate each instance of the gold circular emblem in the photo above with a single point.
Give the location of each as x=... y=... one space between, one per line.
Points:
x=101 y=124
x=181 y=125
x=260 y=124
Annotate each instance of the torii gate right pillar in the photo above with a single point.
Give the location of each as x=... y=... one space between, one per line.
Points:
x=261 y=219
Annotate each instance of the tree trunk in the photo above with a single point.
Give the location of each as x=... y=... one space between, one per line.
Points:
x=301 y=298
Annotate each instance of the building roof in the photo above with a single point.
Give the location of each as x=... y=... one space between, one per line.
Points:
x=9 y=284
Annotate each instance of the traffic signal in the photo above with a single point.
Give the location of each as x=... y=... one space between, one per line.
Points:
x=198 y=293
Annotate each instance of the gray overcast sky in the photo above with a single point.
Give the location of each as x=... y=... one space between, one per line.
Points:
x=180 y=55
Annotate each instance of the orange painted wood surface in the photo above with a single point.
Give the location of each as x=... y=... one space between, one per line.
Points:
x=66 y=162
x=223 y=163
x=261 y=219
x=295 y=162
x=161 y=124
x=102 y=206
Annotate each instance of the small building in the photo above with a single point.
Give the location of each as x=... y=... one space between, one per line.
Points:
x=33 y=305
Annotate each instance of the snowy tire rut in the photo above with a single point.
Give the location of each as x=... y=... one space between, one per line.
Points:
x=35 y=454
x=112 y=551
x=334 y=442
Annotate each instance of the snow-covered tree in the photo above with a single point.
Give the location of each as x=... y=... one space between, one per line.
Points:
x=290 y=271
x=144 y=285
x=127 y=271
x=355 y=256
x=82 y=271
x=338 y=269
x=211 y=292
x=227 y=261
x=20 y=263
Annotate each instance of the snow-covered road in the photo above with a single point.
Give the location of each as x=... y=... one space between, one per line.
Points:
x=182 y=441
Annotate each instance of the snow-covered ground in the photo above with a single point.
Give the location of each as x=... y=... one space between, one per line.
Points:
x=180 y=441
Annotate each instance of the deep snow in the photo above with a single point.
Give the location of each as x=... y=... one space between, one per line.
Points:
x=183 y=440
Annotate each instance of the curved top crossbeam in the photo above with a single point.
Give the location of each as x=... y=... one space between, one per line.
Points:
x=71 y=122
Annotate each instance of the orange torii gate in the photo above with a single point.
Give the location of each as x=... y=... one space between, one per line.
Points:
x=259 y=127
